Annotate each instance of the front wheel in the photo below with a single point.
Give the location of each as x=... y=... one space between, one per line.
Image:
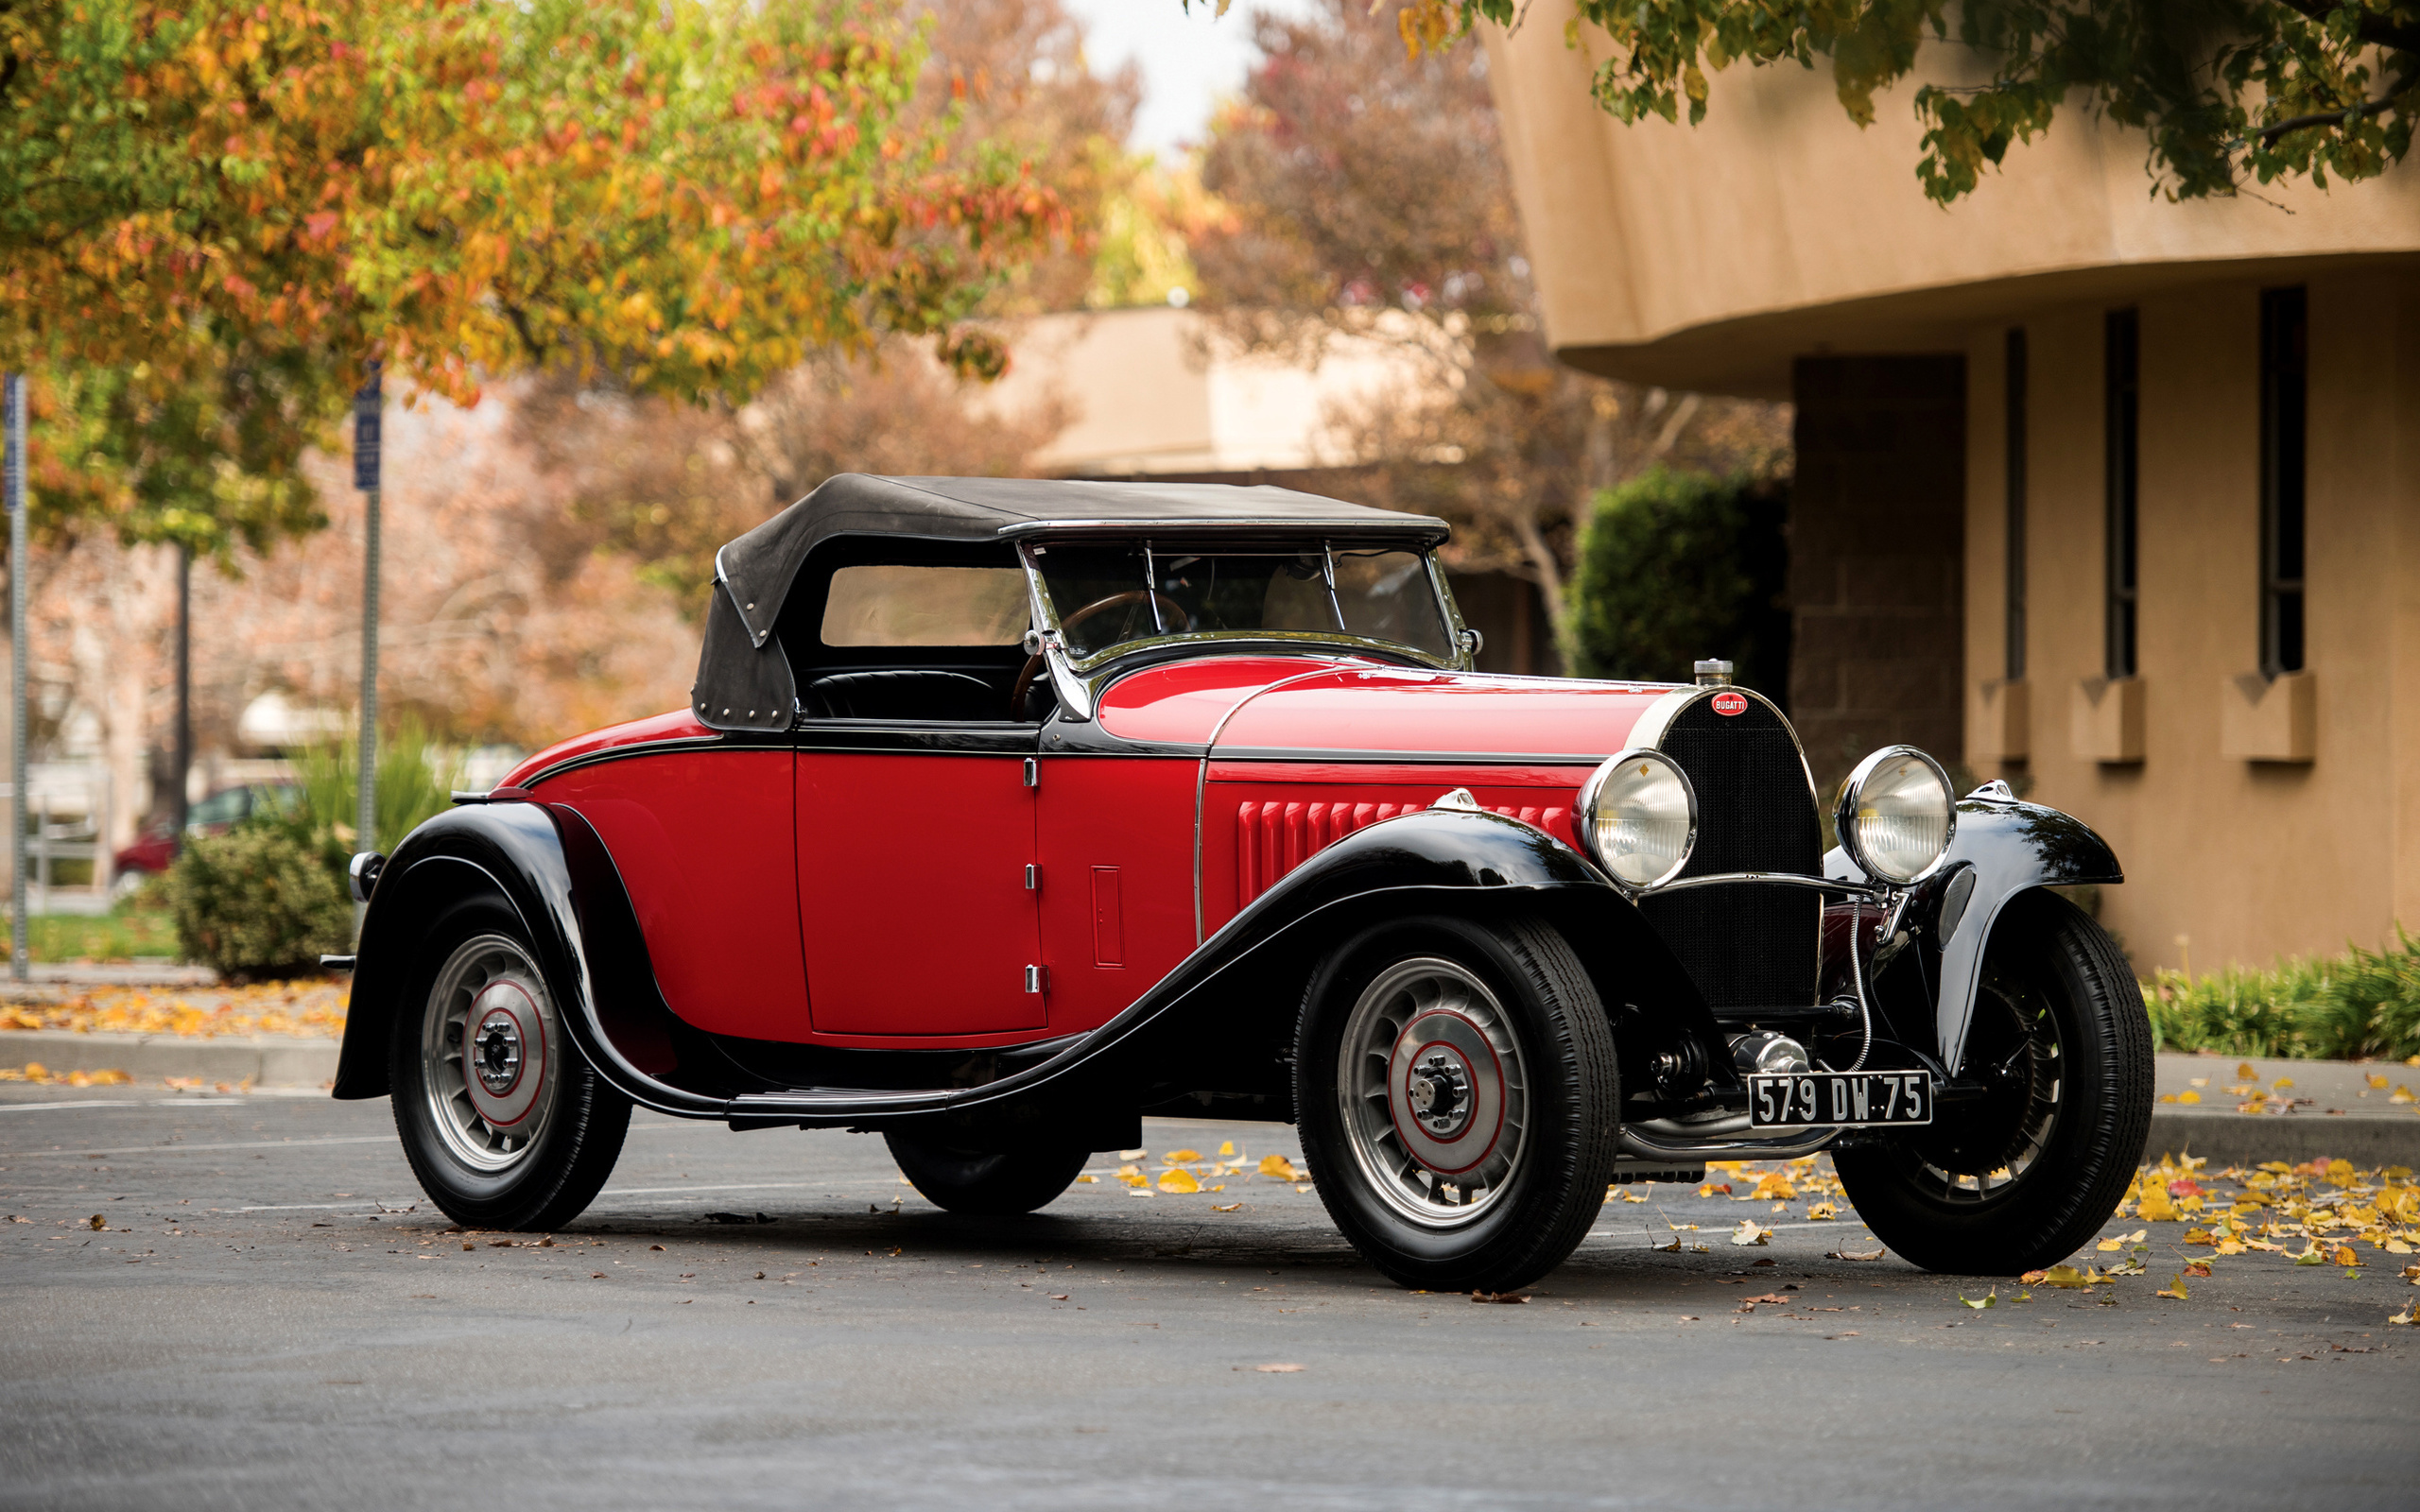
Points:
x=503 y=1122
x=1455 y=1090
x=2022 y=1176
x=987 y=1183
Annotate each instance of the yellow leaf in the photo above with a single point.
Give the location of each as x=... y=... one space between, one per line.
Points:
x=1990 y=1298
x=1180 y=1157
x=2156 y=1206
x=2109 y=1245
x=2374 y=1080
x=2244 y=1072
x=2282 y=1083
x=2345 y=1256
x=1228 y=1148
x=2397 y=1246
x=2068 y=1277
x=1278 y=1166
x=1226 y=1206
x=2188 y=1097
x=2174 y=1291
x=1747 y=1234
x=1178 y=1180
x=2341 y=1171
x=1823 y=1211
x=1131 y=1155
x=1132 y=1175
x=98 y=1222
x=1775 y=1185
x=1084 y=1178
x=2198 y=1236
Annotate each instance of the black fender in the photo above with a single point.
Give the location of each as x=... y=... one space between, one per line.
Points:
x=553 y=869
x=2000 y=849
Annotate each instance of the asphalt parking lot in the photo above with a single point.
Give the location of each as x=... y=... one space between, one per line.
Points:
x=271 y=1316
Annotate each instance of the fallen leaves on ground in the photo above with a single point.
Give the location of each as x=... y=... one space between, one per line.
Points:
x=2174 y=1291
x=1177 y=1179
x=38 y=1074
x=1278 y=1166
x=1990 y=1298
x=1277 y=1369
x=1499 y=1297
x=309 y=1008
x=1749 y=1232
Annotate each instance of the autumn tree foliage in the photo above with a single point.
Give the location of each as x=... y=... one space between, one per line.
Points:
x=662 y=483
x=2229 y=92
x=1368 y=200
x=697 y=194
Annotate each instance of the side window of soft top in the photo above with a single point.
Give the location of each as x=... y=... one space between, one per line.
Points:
x=886 y=627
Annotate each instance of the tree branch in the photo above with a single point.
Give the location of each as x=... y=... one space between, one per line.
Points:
x=2373 y=30
x=2377 y=107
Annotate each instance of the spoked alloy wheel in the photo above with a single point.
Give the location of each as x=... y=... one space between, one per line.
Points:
x=1432 y=1092
x=504 y=1122
x=2021 y=1177
x=1455 y=1083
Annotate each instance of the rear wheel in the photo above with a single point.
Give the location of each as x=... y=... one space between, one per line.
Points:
x=503 y=1122
x=989 y=1183
x=1455 y=1089
x=2022 y=1176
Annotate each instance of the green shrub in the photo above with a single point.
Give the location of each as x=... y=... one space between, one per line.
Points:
x=256 y=902
x=1674 y=566
x=2359 y=1006
x=413 y=784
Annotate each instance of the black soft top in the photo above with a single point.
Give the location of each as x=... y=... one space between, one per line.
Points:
x=744 y=681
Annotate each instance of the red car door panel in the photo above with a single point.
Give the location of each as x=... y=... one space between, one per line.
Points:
x=912 y=896
x=1115 y=842
x=704 y=843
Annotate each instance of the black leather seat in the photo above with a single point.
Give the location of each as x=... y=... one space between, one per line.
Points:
x=914 y=694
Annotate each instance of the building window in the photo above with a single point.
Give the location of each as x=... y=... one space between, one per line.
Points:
x=2122 y=345
x=2016 y=430
x=2284 y=353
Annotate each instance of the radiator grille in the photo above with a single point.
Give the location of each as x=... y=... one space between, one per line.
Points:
x=1274 y=837
x=1745 y=947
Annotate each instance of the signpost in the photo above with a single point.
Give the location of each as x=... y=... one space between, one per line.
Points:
x=12 y=478
x=366 y=406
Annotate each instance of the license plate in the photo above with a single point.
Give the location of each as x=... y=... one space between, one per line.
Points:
x=1797 y=1099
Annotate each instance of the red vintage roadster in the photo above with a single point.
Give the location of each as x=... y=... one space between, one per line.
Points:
x=1008 y=811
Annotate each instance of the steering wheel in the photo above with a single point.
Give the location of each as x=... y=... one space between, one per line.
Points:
x=1033 y=663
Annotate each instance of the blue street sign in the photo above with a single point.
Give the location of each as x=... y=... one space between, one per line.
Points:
x=366 y=405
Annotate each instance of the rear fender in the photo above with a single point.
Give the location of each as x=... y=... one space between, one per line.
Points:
x=551 y=869
x=2001 y=848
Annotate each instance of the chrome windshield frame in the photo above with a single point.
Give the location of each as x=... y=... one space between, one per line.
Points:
x=1058 y=657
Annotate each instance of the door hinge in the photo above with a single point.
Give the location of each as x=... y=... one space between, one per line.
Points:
x=1032 y=772
x=1033 y=877
x=1036 y=977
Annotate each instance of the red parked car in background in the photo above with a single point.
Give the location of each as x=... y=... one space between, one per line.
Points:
x=1007 y=812
x=156 y=848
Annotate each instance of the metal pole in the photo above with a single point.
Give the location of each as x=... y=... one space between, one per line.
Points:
x=367 y=403
x=184 y=692
x=13 y=397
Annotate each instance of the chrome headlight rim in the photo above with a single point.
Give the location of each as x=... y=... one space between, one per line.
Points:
x=1585 y=810
x=1852 y=791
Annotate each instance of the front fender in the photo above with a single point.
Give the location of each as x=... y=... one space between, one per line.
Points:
x=2001 y=848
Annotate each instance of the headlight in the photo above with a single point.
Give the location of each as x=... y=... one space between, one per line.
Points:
x=1896 y=814
x=1638 y=817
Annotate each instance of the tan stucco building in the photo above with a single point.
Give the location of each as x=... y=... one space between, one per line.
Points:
x=2111 y=495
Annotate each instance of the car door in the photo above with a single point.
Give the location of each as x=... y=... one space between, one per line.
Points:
x=913 y=896
x=915 y=805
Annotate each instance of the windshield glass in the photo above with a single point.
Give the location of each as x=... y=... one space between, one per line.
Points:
x=1099 y=593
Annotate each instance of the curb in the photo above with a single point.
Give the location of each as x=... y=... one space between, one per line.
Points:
x=2247 y=1139
x=261 y=1059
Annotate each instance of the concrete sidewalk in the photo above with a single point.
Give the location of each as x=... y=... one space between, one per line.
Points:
x=261 y=1059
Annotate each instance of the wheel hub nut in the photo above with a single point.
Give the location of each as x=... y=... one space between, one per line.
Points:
x=496 y=1053
x=1440 y=1090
